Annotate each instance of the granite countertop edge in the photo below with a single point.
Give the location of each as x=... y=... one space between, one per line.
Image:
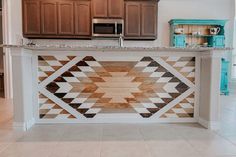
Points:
x=112 y=48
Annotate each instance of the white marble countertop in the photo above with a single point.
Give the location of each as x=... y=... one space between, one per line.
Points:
x=112 y=48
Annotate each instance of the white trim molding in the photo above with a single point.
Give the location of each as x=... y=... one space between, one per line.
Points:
x=23 y=126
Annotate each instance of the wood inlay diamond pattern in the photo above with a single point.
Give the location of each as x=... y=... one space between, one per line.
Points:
x=184 y=109
x=93 y=87
x=50 y=110
x=184 y=65
x=47 y=65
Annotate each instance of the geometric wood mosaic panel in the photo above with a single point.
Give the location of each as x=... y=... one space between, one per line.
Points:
x=47 y=65
x=89 y=87
x=50 y=110
x=184 y=65
x=184 y=109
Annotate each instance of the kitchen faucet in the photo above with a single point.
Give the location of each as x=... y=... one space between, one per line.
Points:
x=121 y=41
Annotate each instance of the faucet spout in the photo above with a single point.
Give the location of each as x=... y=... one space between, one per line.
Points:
x=121 y=41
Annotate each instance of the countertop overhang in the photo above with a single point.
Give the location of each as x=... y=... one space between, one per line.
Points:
x=113 y=48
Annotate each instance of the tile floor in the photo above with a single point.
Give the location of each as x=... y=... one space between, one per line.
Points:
x=120 y=140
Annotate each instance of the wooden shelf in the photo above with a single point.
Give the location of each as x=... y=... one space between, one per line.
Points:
x=200 y=36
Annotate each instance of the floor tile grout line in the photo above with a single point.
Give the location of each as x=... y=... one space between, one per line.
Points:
x=145 y=142
x=225 y=138
x=51 y=153
x=200 y=151
x=101 y=140
x=6 y=147
x=185 y=139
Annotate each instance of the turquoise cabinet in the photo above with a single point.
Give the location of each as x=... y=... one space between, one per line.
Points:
x=179 y=41
x=224 y=86
x=217 y=41
x=196 y=33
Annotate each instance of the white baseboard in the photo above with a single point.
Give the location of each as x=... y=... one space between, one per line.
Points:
x=211 y=125
x=24 y=126
x=19 y=126
x=30 y=123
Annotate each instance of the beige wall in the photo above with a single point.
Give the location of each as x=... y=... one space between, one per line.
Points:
x=168 y=9
x=201 y=9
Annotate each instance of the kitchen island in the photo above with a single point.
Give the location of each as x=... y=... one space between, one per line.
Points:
x=66 y=84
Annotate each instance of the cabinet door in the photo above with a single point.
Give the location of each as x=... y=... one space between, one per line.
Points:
x=65 y=18
x=115 y=8
x=219 y=41
x=31 y=17
x=100 y=8
x=180 y=41
x=224 y=87
x=149 y=19
x=224 y=66
x=49 y=17
x=132 y=19
x=83 y=18
x=224 y=81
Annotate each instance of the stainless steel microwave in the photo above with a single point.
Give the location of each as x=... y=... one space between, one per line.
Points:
x=107 y=27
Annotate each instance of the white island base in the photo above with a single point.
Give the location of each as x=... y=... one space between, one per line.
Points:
x=116 y=85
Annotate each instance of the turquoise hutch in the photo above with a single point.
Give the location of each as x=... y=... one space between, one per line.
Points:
x=197 y=33
x=201 y=33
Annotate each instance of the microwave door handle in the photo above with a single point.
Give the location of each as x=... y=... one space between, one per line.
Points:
x=115 y=27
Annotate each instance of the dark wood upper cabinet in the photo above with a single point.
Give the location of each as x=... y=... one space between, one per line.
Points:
x=83 y=18
x=49 y=17
x=73 y=18
x=100 y=8
x=108 y=8
x=149 y=19
x=66 y=18
x=132 y=19
x=31 y=17
x=57 y=18
x=141 y=19
x=115 y=8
